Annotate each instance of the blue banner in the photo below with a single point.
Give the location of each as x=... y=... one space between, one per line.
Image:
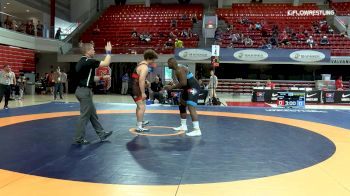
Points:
x=255 y=55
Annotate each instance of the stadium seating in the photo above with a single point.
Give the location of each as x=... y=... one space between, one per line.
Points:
x=117 y=23
x=277 y=14
x=20 y=59
x=341 y=8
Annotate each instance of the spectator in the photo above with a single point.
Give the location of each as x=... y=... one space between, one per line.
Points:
x=21 y=84
x=273 y=41
x=330 y=30
x=39 y=29
x=284 y=37
x=269 y=84
x=184 y=16
x=194 y=19
x=157 y=88
x=258 y=26
x=343 y=34
x=310 y=42
x=266 y=45
x=8 y=22
x=339 y=84
x=173 y=23
x=178 y=43
x=213 y=84
x=169 y=44
x=58 y=34
x=134 y=33
x=324 y=41
x=14 y=25
x=92 y=42
x=201 y=84
x=96 y=31
x=125 y=84
x=301 y=37
x=58 y=88
x=184 y=33
x=248 y=41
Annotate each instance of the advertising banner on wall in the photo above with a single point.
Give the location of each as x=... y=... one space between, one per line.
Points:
x=255 y=55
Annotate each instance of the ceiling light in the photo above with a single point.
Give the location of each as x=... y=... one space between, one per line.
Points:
x=27 y=10
x=7 y=3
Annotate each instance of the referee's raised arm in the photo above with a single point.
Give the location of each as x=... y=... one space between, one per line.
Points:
x=107 y=59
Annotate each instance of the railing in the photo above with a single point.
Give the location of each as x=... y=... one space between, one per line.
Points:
x=19 y=25
x=81 y=22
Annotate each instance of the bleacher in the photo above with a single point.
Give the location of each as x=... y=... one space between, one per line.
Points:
x=276 y=14
x=341 y=8
x=117 y=23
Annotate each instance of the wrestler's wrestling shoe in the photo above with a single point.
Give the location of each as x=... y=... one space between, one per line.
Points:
x=180 y=128
x=195 y=132
x=141 y=130
x=145 y=122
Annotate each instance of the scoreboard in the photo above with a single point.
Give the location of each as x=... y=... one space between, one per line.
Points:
x=291 y=99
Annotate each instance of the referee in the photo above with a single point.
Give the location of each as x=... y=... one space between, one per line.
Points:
x=86 y=73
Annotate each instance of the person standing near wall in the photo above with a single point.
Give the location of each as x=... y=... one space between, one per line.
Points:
x=6 y=78
x=125 y=84
x=213 y=84
x=57 y=78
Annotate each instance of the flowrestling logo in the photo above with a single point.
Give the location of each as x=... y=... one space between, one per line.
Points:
x=307 y=56
x=310 y=13
x=250 y=55
x=195 y=54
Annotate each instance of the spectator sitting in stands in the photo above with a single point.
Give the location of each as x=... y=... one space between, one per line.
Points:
x=317 y=30
x=344 y=34
x=330 y=30
x=233 y=38
x=190 y=33
x=306 y=33
x=266 y=45
x=324 y=40
x=264 y=32
x=273 y=41
x=184 y=16
x=178 y=43
x=244 y=21
x=145 y=37
x=134 y=33
x=173 y=23
x=92 y=42
x=194 y=19
x=258 y=26
x=96 y=30
x=172 y=34
x=169 y=44
x=184 y=33
x=284 y=37
x=294 y=37
x=310 y=42
x=301 y=37
x=248 y=41
x=339 y=84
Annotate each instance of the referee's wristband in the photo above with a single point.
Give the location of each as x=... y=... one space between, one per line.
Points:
x=108 y=52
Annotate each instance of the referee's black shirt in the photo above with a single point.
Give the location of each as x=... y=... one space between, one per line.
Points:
x=84 y=66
